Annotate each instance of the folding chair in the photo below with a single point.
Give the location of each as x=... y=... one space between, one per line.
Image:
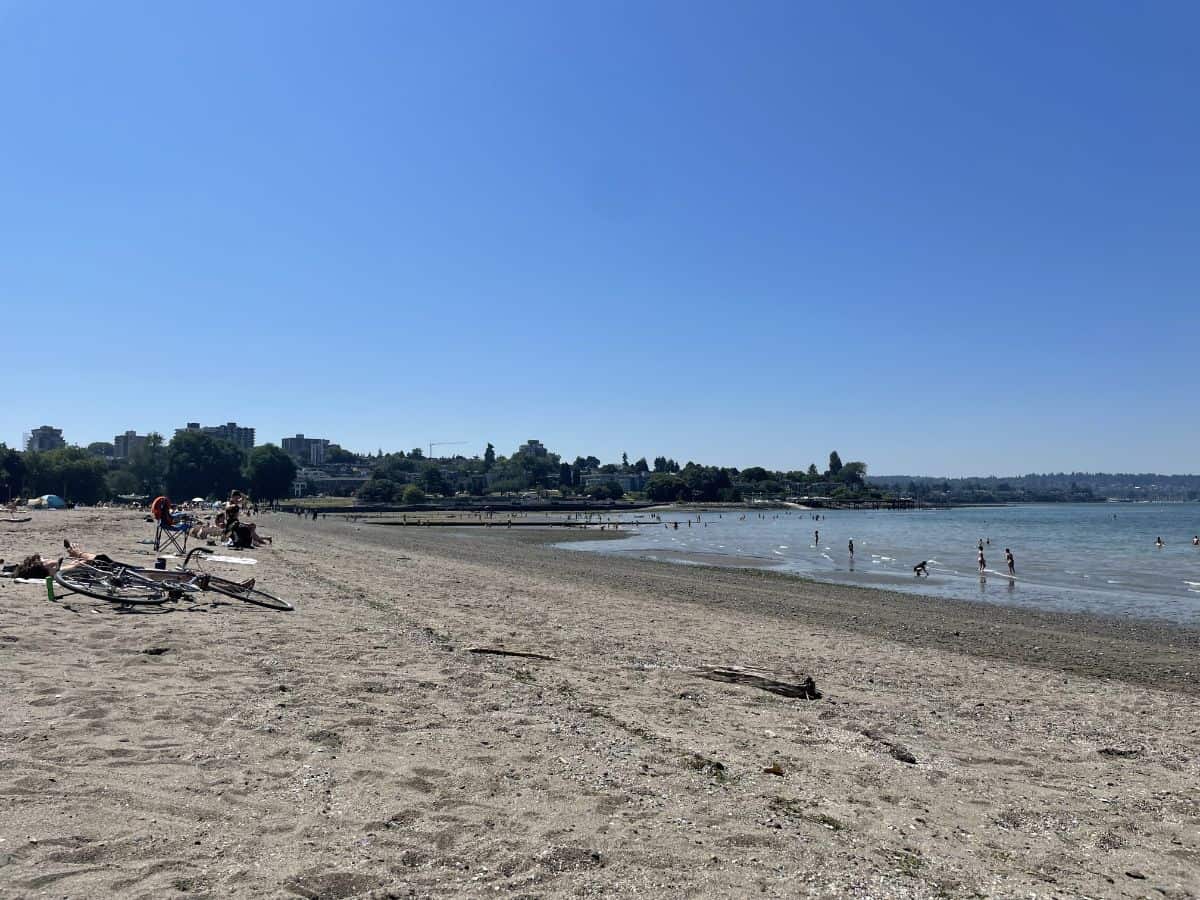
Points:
x=174 y=536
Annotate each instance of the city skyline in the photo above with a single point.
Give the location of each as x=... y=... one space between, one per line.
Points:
x=467 y=450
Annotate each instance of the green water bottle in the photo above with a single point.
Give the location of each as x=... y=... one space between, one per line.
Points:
x=50 y=588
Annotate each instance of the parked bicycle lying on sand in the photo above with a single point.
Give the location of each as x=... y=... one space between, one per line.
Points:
x=96 y=575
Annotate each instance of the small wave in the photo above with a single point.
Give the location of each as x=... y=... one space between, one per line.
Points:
x=887 y=559
x=1112 y=581
x=1195 y=584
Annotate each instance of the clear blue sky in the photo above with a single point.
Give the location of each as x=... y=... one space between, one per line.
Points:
x=941 y=238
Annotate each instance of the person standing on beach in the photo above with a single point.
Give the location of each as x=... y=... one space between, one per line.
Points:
x=851 y=545
x=1012 y=564
x=817 y=538
x=982 y=561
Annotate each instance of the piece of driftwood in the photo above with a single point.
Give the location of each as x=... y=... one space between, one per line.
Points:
x=798 y=685
x=498 y=651
x=17 y=521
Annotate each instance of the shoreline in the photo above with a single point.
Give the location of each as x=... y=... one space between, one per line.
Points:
x=1142 y=651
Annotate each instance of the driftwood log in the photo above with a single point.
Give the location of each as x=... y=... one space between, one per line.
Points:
x=499 y=651
x=794 y=685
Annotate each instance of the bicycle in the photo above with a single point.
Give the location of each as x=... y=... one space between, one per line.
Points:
x=129 y=585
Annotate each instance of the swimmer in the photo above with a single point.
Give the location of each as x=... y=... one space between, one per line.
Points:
x=1158 y=543
x=1012 y=563
x=816 y=537
x=1196 y=541
x=982 y=562
x=851 y=545
x=920 y=569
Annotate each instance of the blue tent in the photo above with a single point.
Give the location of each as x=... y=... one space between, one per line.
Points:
x=48 y=501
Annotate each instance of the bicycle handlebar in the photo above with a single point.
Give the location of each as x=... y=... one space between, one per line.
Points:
x=187 y=560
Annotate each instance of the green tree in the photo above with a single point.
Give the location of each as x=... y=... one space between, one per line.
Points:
x=854 y=474
x=435 y=482
x=755 y=473
x=641 y=466
x=489 y=457
x=662 y=464
x=707 y=483
x=337 y=456
x=148 y=464
x=565 y=477
x=71 y=472
x=609 y=490
x=101 y=448
x=200 y=465
x=835 y=463
x=663 y=487
x=378 y=490
x=12 y=472
x=537 y=468
x=416 y=453
x=270 y=472
x=121 y=481
x=812 y=471
x=413 y=495
x=624 y=460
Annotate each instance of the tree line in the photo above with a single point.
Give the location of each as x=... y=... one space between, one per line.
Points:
x=191 y=464
x=398 y=477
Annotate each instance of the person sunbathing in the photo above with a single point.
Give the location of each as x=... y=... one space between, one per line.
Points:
x=209 y=528
x=36 y=567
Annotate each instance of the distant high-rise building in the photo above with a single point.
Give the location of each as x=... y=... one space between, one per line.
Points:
x=533 y=448
x=45 y=438
x=236 y=434
x=125 y=444
x=310 y=451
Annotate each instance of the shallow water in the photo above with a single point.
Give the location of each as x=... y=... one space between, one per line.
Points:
x=1093 y=557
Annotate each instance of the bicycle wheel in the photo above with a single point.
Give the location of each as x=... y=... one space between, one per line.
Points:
x=112 y=586
x=249 y=595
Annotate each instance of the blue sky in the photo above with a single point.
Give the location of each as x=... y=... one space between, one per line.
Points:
x=941 y=238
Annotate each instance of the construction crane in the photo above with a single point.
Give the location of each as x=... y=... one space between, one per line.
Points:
x=433 y=444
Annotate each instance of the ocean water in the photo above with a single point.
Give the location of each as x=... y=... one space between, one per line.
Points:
x=1091 y=557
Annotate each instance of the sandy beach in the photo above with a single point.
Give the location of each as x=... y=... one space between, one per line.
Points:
x=357 y=747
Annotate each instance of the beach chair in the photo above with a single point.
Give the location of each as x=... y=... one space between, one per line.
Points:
x=174 y=536
x=167 y=531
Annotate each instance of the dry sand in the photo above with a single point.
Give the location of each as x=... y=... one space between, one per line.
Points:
x=354 y=747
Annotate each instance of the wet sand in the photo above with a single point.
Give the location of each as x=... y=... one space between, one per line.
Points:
x=355 y=747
